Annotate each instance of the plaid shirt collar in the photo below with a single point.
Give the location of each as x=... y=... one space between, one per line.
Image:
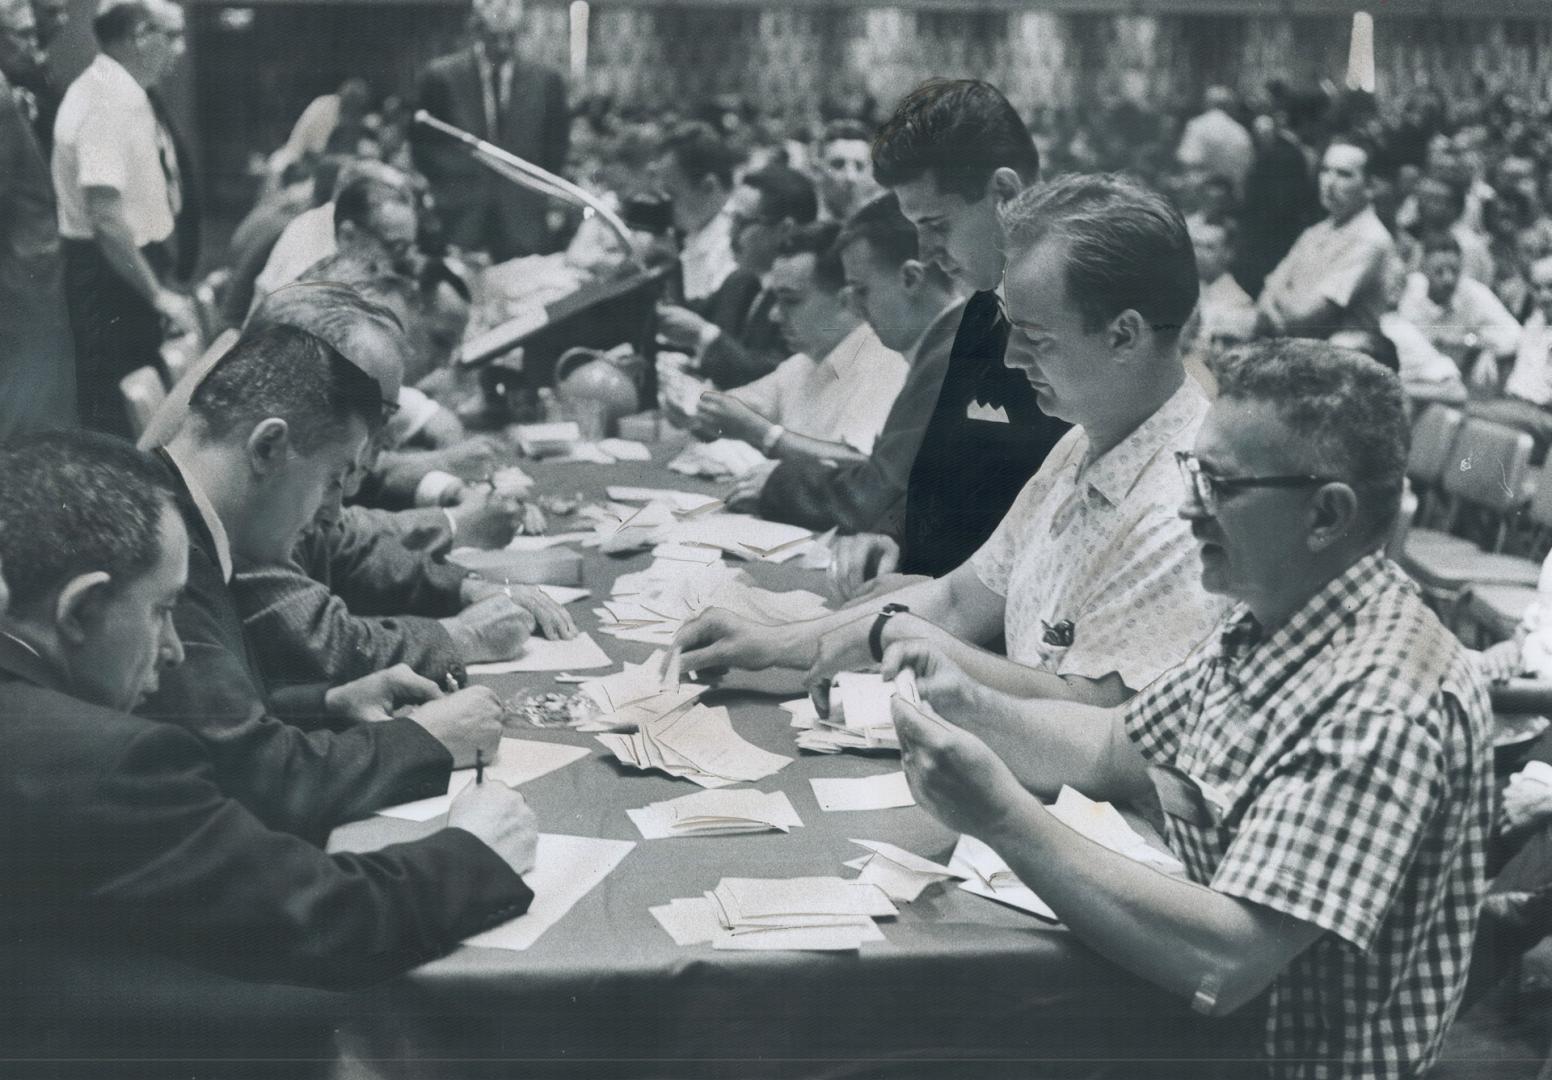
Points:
x=1257 y=663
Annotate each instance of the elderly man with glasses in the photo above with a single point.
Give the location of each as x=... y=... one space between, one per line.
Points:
x=1322 y=761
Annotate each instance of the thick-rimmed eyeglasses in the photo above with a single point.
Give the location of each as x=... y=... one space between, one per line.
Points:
x=1208 y=488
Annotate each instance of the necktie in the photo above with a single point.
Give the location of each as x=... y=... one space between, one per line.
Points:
x=167 y=152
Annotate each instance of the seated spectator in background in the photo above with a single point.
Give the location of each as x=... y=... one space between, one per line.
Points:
x=1092 y=576
x=1426 y=373
x=731 y=333
x=272 y=433
x=314 y=234
x=1513 y=287
x=913 y=309
x=1225 y=313
x=1323 y=761
x=829 y=400
x=844 y=169
x=1460 y=315
x=1332 y=279
x=329 y=118
x=694 y=167
x=150 y=852
x=1214 y=143
x=1527 y=400
x=1441 y=206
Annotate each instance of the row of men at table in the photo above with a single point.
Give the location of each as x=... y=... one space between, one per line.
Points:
x=1196 y=611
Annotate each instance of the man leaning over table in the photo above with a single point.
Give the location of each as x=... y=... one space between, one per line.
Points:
x=120 y=833
x=826 y=402
x=1091 y=576
x=1322 y=761
x=272 y=431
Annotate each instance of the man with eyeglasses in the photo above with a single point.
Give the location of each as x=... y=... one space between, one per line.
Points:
x=116 y=181
x=1090 y=577
x=1322 y=761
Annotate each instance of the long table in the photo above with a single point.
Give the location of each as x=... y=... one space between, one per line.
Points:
x=963 y=986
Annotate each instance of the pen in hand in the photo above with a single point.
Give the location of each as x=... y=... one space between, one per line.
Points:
x=479 y=766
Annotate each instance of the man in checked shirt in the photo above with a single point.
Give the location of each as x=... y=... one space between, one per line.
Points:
x=1322 y=761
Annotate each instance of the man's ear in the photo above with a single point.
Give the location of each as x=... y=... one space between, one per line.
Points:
x=79 y=603
x=268 y=446
x=1127 y=332
x=1004 y=185
x=912 y=273
x=1333 y=515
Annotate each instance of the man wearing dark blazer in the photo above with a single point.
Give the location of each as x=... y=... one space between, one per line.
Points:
x=489 y=90
x=272 y=431
x=954 y=152
x=120 y=839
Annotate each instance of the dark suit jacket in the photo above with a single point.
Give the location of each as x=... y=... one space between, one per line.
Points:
x=117 y=830
x=869 y=496
x=968 y=472
x=352 y=601
x=188 y=229
x=37 y=353
x=751 y=344
x=535 y=126
x=300 y=781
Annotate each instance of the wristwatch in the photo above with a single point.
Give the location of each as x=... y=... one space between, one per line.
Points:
x=876 y=635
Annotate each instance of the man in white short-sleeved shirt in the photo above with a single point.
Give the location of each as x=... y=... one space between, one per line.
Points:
x=116 y=183
x=1091 y=575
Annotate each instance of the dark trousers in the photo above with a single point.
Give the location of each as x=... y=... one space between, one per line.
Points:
x=116 y=331
x=1524 y=415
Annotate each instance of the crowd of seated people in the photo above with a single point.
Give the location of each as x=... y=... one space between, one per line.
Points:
x=1109 y=413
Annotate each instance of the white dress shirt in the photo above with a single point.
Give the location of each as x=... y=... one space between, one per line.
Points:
x=707 y=258
x=1531 y=379
x=106 y=136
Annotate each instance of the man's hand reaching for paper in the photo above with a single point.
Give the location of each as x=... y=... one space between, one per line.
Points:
x=954 y=775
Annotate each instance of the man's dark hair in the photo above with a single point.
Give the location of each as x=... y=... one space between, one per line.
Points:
x=785 y=194
x=76 y=502
x=1345 y=408
x=700 y=152
x=1438 y=241
x=818 y=240
x=888 y=232
x=120 y=22
x=1358 y=142
x=281 y=371
x=1373 y=344
x=361 y=197
x=845 y=129
x=1455 y=193
x=961 y=131
x=1127 y=247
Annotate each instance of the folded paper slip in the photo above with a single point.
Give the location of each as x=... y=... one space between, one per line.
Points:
x=796 y=901
x=581 y=653
x=715 y=813
x=697 y=744
x=679 y=501
x=901 y=874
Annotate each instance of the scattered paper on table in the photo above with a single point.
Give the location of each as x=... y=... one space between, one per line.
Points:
x=690 y=920
x=581 y=653
x=625 y=449
x=901 y=874
x=719 y=812
x=517 y=762
x=539 y=543
x=718 y=459
x=803 y=712
x=566 y=868
x=845 y=937
x=885 y=791
x=694 y=743
x=987 y=875
x=742 y=536
x=564 y=594
x=1102 y=823
x=825 y=914
x=681 y=501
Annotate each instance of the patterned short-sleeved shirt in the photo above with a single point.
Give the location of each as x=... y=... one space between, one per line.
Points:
x=1350 y=750
x=1098 y=570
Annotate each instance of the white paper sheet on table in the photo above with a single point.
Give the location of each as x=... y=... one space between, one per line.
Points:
x=566 y=868
x=987 y=875
x=517 y=762
x=742 y=535
x=681 y=501
x=717 y=812
x=625 y=449
x=717 y=459
x=885 y=791
x=900 y=873
x=540 y=543
x=564 y=594
x=581 y=653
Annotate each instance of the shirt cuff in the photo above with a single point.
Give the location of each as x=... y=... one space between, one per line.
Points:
x=433 y=487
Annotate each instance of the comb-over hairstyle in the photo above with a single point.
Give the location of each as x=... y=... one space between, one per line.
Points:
x=1127 y=247
x=73 y=503
x=960 y=131
x=1345 y=410
x=287 y=373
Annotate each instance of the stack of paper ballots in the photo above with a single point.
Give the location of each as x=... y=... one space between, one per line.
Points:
x=650 y=605
x=637 y=694
x=717 y=813
x=859 y=714
x=742 y=536
x=695 y=743
x=816 y=913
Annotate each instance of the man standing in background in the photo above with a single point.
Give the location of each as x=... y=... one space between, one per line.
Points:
x=37 y=356
x=488 y=90
x=116 y=179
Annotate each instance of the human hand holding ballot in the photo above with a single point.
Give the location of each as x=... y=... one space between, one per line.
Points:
x=502 y=818
x=467 y=723
x=953 y=774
